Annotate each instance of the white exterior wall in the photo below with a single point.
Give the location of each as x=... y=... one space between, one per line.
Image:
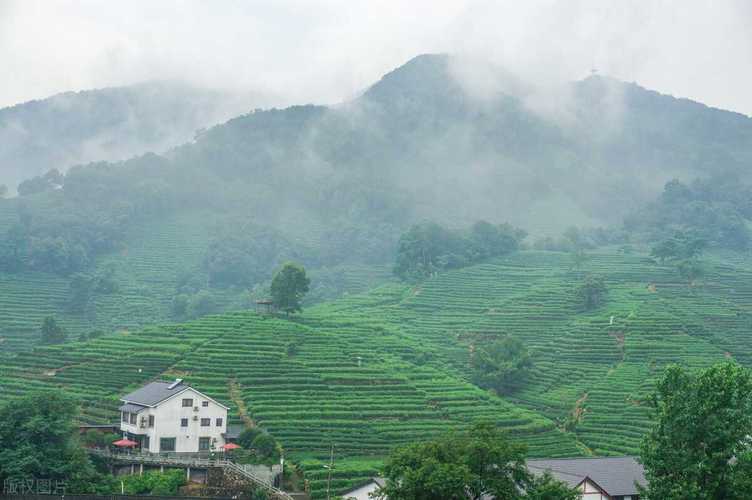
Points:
x=167 y=417
x=591 y=492
x=362 y=492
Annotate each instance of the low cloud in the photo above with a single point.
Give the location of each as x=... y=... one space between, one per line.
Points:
x=326 y=51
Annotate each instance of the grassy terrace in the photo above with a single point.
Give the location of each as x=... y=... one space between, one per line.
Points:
x=390 y=366
x=147 y=269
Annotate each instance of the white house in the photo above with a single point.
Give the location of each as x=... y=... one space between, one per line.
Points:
x=173 y=417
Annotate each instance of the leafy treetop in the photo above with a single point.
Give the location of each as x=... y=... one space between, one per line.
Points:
x=699 y=446
x=466 y=466
x=288 y=287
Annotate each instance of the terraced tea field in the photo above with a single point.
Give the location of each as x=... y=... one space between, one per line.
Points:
x=147 y=269
x=370 y=371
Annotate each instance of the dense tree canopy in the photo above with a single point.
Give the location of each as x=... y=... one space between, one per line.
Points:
x=289 y=285
x=52 y=332
x=591 y=293
x=53 y=179
x=429 y=247
x=466 y=466
x=243 y=255
x=699 y=446
x=503 y=365
x=716 y=210
x=37 y=441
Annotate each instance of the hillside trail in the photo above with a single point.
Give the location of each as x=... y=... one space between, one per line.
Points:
x=233 y=387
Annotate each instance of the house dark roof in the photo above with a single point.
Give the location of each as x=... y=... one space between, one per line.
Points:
x=132 y=408
x=153 y=393
x=616 y=475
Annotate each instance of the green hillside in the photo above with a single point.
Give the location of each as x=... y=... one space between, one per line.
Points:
x=155 y=256
x=369 y=371
x=110 y=124
x=204 y=225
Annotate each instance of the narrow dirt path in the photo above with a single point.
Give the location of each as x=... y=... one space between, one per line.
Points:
x=234 y=389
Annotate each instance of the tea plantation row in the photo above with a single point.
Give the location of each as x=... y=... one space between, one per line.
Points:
x=368 y=372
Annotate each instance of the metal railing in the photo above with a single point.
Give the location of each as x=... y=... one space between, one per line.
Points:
x=193 y=461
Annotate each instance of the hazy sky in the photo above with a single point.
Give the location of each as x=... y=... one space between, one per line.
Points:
x=328 y=50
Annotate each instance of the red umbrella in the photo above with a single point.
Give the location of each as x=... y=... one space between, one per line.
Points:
x=230 y=446
x=125 y=443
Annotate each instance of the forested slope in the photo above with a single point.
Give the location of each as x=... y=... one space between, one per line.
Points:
x=109 y=124
x=202 y=227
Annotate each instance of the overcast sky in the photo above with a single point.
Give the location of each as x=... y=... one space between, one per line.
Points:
x=328 y=50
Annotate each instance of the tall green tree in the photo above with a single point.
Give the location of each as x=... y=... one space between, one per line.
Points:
x=591 y=293
x=428 y=248
x=38 y=441
x=289 y=286
x=52 y=332
x=699 y=446
x=503 y=365
x=464 y=466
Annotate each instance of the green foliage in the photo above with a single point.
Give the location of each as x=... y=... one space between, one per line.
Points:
x=261 y=442
x=84 y=286
x=502 y=366
x=52 y=333
x=243 y=256
x=96 y=439
x=546 y=487
x=681 y=246
x=180 y=304
x=690 y=270
x=266 y=447
x=84 y=214
x=154 y=483
x=37 y=440
x=428 y=248
x=591 y=293
x=471 y=465
x=53 y=179
x=201 y=304
x=245 y=439
x=703 y=422
x=289 y=285
x=578 y=258
x=716 y=210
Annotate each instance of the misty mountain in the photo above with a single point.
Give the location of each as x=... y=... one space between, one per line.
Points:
x=597 y=150
x=434 y=139
x=108 y=124
x=334 y=188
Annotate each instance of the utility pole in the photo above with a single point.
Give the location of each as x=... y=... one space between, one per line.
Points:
x=329 y=478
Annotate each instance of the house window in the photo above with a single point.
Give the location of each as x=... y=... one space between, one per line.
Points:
x=204 y=404
x=204 y=443
x=183 y=422
x=205 y=422
x=151 y=420
x=125 y=417
x=134 y=419
x=187 y=403
x=219 y=422
x=167 y=444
